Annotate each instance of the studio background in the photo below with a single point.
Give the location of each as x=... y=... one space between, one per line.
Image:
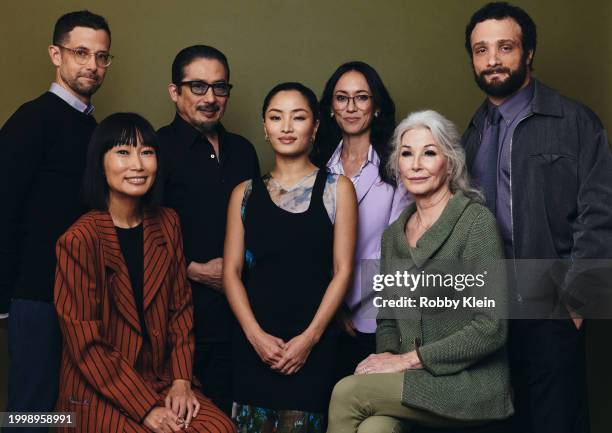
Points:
x=416 y=46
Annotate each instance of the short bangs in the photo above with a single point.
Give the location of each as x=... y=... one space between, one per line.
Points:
x=124 y=129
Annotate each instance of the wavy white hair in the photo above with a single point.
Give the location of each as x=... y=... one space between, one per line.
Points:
x=446 y=137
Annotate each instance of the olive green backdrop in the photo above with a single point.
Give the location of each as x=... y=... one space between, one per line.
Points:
x=416 y=46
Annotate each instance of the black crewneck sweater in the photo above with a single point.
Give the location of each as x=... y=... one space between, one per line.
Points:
x=42 y=151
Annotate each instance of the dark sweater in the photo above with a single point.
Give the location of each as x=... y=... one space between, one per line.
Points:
x=42 y=149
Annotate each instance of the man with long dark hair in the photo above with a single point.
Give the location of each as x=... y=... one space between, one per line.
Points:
x=545 y=167
x=43 y=147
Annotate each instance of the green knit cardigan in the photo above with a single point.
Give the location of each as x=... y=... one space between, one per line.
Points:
x=465 y=374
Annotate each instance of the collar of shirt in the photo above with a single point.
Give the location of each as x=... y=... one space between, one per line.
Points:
x=334 y=165
x=517 y=103
x=70 y=99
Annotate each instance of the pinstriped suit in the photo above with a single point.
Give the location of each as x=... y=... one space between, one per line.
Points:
x=109 y=376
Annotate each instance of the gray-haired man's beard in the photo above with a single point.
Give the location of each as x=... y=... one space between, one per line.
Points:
x=205 y=127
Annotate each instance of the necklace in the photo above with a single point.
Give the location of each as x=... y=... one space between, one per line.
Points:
x=418 y=216
x=420 y=222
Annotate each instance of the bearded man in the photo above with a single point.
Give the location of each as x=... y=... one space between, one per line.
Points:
x=544 y=164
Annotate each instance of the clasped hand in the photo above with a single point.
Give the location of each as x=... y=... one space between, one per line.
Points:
x=181 y=406
x=284 y=357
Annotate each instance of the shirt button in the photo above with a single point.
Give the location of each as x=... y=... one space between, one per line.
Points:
x=155 y=333
x=212 y=156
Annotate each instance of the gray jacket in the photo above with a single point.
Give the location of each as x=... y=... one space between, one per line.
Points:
x=561 y=181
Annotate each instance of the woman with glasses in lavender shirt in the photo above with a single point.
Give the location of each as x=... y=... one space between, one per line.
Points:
x=357 y=122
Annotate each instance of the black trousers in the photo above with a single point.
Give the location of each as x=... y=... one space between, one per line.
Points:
x=35 y=350
x=547 y=364
x=213 y=368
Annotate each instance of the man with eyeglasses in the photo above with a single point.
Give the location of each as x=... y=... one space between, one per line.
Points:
x=204 y=162
x=43 y=147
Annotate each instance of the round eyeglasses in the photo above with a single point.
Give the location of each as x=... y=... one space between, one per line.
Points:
x=82 y=55
x=200 y=88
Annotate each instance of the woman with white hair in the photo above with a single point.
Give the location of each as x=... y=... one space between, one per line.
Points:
x=436 y=372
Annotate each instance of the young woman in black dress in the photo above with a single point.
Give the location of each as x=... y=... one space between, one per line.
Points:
x=297 y=229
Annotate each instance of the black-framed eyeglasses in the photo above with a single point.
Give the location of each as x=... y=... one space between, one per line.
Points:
x=200 y=88
x=360 y=101
x=82 y=55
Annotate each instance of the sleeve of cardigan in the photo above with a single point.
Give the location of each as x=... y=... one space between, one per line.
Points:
x=484 y=334
x=180 y=323
x=387 y=333
x=77 y=301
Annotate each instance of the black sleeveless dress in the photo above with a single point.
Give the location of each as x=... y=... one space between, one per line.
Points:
x=292 y=265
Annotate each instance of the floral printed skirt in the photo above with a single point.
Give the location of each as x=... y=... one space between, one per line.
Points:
x=251 y=419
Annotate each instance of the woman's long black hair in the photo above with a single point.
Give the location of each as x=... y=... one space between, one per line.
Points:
x=382 y=127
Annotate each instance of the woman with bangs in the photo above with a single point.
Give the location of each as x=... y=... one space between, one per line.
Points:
x=123 y=299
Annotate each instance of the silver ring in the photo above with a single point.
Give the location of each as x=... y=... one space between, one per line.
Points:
x=365 y=370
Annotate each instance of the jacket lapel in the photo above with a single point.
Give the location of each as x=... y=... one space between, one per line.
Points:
x=472 y=146
x=157 y=258
x=119 y=278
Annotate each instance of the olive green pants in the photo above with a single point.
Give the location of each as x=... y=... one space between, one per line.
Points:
x=371 y=403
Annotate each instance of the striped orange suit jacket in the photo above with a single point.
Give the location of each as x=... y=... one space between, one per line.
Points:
x=108 y=376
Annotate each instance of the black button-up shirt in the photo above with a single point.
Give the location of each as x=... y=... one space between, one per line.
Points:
x=198 y=186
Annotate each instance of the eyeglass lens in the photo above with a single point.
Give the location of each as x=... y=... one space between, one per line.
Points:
x=358 y=100
x=103 y=59
x=200 y=88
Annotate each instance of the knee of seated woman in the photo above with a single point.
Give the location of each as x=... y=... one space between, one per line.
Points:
x=346 y=388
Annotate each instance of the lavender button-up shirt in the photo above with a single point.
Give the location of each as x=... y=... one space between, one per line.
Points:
x=379 y=205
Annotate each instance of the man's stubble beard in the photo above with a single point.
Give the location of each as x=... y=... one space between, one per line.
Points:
x=85 y=91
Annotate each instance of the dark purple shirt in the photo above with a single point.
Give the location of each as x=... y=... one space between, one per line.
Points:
x=513 y=111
